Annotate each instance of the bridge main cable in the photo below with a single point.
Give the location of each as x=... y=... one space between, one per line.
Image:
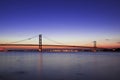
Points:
x=22 y=40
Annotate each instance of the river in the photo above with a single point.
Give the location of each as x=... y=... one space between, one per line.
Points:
x=59 y=66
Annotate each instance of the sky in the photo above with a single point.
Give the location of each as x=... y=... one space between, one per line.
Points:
x=73 y=22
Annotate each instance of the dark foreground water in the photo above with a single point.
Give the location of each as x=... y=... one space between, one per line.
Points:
x=59 y=66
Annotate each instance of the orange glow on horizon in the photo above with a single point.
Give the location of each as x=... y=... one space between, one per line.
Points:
x=36 y=47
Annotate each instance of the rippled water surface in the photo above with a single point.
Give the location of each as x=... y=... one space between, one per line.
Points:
x=59 y=66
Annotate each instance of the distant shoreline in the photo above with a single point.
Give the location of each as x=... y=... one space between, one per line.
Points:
x=61 y=50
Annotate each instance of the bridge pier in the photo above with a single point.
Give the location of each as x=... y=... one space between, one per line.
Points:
x=94 y=48
x=40 y=43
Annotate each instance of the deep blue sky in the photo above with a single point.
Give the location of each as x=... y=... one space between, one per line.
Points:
x=67 y=21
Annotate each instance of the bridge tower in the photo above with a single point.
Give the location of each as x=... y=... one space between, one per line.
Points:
x=94 y=46
x=40 y=43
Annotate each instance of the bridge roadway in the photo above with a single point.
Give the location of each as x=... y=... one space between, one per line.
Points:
x=48 y=50
x=52 y=48
x=45 y=45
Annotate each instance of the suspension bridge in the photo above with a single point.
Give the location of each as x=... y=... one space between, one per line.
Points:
x=59 y=47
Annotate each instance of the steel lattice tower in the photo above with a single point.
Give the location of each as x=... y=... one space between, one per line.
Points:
x=40 y=42
x=94 y=46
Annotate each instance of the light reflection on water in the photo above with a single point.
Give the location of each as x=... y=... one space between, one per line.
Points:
x=59 y=66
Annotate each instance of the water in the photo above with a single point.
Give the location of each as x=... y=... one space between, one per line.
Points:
x=59 y=66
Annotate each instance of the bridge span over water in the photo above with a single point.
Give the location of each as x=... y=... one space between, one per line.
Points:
x=14 y=46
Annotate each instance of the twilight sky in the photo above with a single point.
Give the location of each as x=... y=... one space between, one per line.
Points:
x=76 y=22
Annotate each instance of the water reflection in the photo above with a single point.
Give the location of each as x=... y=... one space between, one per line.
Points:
x=20 y=66
x=59 y=66
x=78 y=66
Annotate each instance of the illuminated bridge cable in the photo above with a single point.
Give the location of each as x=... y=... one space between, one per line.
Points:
x=53 y=40
x=88 y=44
x=22 y=40
x=60 y=42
